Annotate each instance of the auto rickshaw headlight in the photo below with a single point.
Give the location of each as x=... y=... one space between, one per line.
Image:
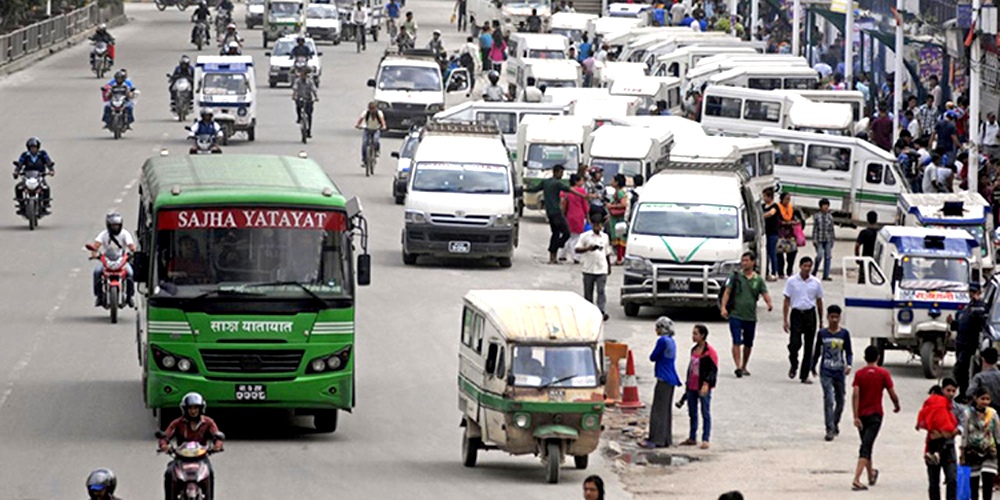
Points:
x=591 y=421
x=905 y=316
x=242 y=111
x=522 y=420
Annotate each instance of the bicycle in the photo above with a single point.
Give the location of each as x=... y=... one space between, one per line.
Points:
x=370 y=152
x=305 y=119
x=390 y=26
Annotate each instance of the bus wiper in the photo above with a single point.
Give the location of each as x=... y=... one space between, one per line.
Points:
x=558 y=381
x=301 y=286
x=220 y=292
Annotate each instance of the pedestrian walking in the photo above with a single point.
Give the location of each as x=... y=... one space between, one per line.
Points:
x=988 y=377
x=770 y=209
x=460 y=15
x=575 y=208
x=618 y=209
x=937 y=417
x=789 y=223
x=664 y=356
x=989 y=136
x=551 y=189
x=865 y=244
x=866 y=402
x=702 y=373
x=980 y=434
x=594 y=249
x=485 y=43
x=498 y=52
x=835 y=357
x=969 y=326
x=823 y=238
x=593 y=488
x=739 y=306
x=802 y=311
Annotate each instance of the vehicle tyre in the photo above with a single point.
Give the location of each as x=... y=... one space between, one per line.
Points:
x=305 y=133
x=264 y=36
x=929 y=360
x=113 y=304
x=164 y=416
x=31 y=212
x=375 y=35
x=181 y=6
x=631 y=309
x=272 y=83
x=251 y=133
x=326 y=421
x=409 y=259
x=200 y=43
x=505 y=262
x=138 y=341
x=552 y=462
x=581 y=461
x=470 y=449
x=336 y=41
x=161 y=6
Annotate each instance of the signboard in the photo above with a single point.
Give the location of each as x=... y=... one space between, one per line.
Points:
x=251 y=218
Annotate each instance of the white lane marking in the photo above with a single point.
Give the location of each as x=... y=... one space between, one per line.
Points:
x=118 y=201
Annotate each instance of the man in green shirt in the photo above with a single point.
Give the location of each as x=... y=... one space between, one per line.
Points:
x=551 y=189
x=739 y=305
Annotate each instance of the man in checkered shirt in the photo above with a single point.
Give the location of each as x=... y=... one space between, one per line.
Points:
x=823 y=237
x=927 y=116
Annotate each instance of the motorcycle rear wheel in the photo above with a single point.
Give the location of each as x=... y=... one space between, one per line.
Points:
x=113 y=304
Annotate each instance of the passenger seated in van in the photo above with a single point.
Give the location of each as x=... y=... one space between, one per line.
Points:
x=525 y=364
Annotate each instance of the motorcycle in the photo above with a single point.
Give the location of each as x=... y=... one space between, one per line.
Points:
x=200 y=34
x=114 y=278
x=100 y=59
x=181 y=103
x=205 y=144
x=190 y=473
x=163 y=4
x=33 y=205
x=119 y=112
x=222 y=20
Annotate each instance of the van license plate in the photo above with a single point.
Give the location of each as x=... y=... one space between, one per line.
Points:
x=251 y=392
x=459 y=246
x=680 y=284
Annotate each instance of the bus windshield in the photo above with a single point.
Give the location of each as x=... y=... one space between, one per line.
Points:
x=206 y=250
x=551 y=366
x=934 y=273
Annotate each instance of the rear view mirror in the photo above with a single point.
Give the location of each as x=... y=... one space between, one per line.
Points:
x=510 y=379
x=364 y=269
x=267 y=54
x=394 y=154
x=371 y=82
x=749 y=235
x=140 y=266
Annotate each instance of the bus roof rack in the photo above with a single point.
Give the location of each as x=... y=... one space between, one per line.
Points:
x=461 y=128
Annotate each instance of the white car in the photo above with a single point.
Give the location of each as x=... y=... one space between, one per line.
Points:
x=281 y=61
x=404 y=157
x=255 y=13
x=323 y=22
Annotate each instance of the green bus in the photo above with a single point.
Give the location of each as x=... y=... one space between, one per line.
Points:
x=246 y=281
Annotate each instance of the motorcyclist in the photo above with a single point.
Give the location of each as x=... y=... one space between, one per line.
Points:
x=231 y=36
x=101 y=484
x=372 y=121
x=118 y=82
x=232 y=49
x=227 y=7
x=301 y=49
x=34 y=159
x=435 y=44
x=114 y=238
x=182 y=70
x=192 y=425
x=493 y=92
x=304 y=94
x=201 y=15
x=206 y=125
x=102 y=35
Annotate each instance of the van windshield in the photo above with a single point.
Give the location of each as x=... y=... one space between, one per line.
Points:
x=224 y=84
x=547 y=54
x=573 y=34
x=612 y=168
x=551 y=84
x=461 y=178
x=410 y=78
x=550 y=366
x=546 y=156
x=934 y=273
x=977 y=231
x=690 y=220
x=285 y=9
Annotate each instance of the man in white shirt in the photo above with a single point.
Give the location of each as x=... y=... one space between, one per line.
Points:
x=602 y=54
x=990 y=136
x=359 y=17
x=929 y=183
x=803 y=307
x=594 y=249
x=113 y=240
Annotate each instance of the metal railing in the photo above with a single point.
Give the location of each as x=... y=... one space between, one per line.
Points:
x=44 y=34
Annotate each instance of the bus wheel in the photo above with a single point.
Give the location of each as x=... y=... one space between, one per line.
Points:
x=325 y=421
x=470 y=449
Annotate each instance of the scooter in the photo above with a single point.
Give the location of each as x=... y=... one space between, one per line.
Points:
x=101 y=59
x=163 y=4
x=182 y=97
x=33 y=205
x=114 y=278
x=190 y=473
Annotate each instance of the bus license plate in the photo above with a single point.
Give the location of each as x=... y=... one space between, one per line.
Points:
x=459 y=246
x=251 y=392
x=680 y=284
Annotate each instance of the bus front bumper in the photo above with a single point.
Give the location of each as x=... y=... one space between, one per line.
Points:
x=320 y=391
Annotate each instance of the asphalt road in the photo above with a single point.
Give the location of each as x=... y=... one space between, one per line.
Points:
x=70 y=397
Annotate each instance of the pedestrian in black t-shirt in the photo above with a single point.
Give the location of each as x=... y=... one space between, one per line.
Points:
x=771 y=233
x=865 y=246
x=551 y=189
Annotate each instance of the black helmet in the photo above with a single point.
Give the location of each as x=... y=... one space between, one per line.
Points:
x=192 y=399
x=101 y=480
x=185 y=60
x=494 y=76
x=33 y=142
x=120 y=75
x=300 y=39
x=113 y=222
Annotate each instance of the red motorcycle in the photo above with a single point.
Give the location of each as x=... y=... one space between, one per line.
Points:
x=190 y=472
x=113 y=281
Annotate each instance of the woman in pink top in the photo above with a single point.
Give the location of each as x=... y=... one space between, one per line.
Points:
x=498 y=52
x=575 y=208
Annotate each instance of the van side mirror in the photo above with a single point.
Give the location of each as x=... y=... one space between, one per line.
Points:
x=510 y=379
x=371 y=82
x=603 y=378
x=897 y=274
x=518 y=191
x=364 y=269
x=976 y=276
x=394 y=154
x=749 y=235
x=319 y=54
x=267 y=54
x=140 y=267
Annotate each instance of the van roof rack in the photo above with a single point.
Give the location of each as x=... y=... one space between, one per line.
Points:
x=410 y=53
x=706 y=164
x=435 y=127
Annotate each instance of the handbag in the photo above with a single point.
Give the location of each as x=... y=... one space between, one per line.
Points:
x=800 y=235
x=964 y=489
x=452 y=19
x=786 y=245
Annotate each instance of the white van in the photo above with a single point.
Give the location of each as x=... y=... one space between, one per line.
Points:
x=686 y=236
x=460 y=200
x=741 y=111
x=601 y=28
x=651 y=90
x=544 y=142
x=548 y=73
x=965 y=210
x=227 y=85
x=510 y=13
x=506 y=116
x=854 y=98
x=855 y=175
x=628 y=150
x=605 y=73
x=409 y=89
x=664 y=40
x=698 y=75
x=572 y=25
x=566 y=95
x=768 y=77
x=676 y=63
x=524 y=47
x=601 y=111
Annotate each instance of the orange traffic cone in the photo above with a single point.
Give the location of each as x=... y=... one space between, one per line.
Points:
x=630 y=391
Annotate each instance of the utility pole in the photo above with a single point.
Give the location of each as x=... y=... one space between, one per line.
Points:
x=753 y=19
x=732 y=16
x=897 y=101
x=975 y=65
x=796 y=27
x=849 y=46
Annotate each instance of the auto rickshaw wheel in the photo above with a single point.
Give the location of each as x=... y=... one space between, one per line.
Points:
x=929 y=359
x=581 y=461
x=470 y=449
x=552 y=462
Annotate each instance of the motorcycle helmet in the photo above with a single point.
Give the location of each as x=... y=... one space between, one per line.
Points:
x=300 y=39
x=120 y=76
x=102 y=27
x=231 y=27
x=206 y=113
x=233 y=49
x=33 y=142
x=101 y=484
x=185 y=60
x=192 y=399
x=494 y=76
x=113 y=222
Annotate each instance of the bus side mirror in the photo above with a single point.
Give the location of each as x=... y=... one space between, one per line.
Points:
x=140 y=267
x=510 y=379
x=364 y=269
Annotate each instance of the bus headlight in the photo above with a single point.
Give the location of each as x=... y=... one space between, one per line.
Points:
x=171 y=362
x=168 y=362
x=638 y=265
x=317 y=365
x=330 y=362
x=184 y=365
x=415 y=217
x=522 y=420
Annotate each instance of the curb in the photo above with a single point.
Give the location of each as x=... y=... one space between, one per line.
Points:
x=34 y=57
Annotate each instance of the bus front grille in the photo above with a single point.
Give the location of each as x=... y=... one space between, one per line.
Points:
x=251 y=361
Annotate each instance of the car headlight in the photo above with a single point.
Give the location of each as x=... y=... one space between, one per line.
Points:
x=504 y=220
x=330 y=362
x=415 y=217
x=434 y=108
x=171 y=362
x=728 y=268
x=382 y=105
x=522 y=420
x=638 y=265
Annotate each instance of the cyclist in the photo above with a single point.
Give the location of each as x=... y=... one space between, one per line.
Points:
x=372 y=122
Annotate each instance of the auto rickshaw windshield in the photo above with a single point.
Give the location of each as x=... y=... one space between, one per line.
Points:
x=554 y=366
x=934 y=273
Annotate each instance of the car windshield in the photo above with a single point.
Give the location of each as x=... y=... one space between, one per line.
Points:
x=285 y=9
x=409 y=147
x=218 y=250
x=614 y=167
x=409 y=78
x=322 y=12
x=690 y=220
x=550 y=366
x=934 y=273
x=284 y=47
x=461 y=178
x=545 y=156
x=225 y=84
x=547 y=54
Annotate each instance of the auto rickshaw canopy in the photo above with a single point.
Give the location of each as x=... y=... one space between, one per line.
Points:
x=540 y=316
